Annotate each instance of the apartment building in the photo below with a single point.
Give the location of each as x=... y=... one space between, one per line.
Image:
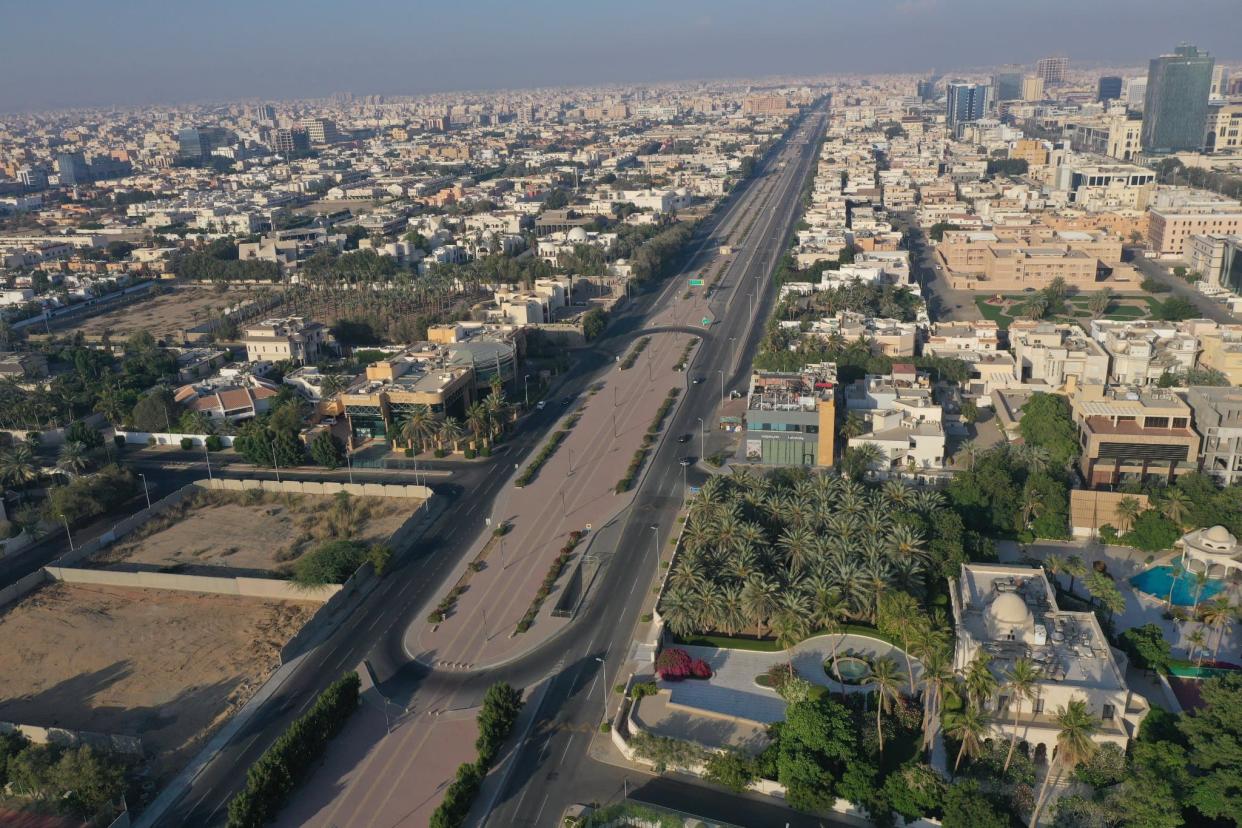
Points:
x=1224 y=128
x=885 y=337
x=902 y=419
x=1144 y=433
x=1218 y=419
x=953 y=339
x=791 y=417
x=1058 y=356
x=1103 y=187
x=1173 y=220
x=1011 y=613
x=1140 y=353
x=289 y=339
x=1217 y=259
x=1220 y=347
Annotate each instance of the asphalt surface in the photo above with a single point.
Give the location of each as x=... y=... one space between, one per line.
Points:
x=552 y=770
x=1180 y=287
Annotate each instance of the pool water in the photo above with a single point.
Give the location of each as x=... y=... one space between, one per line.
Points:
x=1157 y=580
x=851 y=669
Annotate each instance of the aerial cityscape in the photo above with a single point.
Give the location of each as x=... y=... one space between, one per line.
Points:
x=562 y=416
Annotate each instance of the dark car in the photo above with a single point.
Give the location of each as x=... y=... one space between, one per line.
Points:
x=699 y=379
x=686 y=461
x=567 y=401
x=685 y=438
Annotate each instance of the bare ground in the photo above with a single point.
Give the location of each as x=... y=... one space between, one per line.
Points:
x=168 y=667
x=178 y=309
x=254 y=533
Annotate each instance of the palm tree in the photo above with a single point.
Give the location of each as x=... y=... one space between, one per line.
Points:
x=1076 y=726
x=1175 y=505
x=884 y=680
x=72 y=457
x=1177 y=570
x=937 y=674
x=970 y=451
x=479 y=424
x=863 y=457
x=1218 y=615
x=854 y=425
x=18 y=466
x=760 y=598
x=450 y=432
x=1198 y=639
x=680 y=612
x=898 y=493
x=790 y=623
x=1128 y=510
x=967 y=727
x=1021 y=681
x=1201 y=581
x=1032 y=507
x=332 y=385
x=732 y=611
x=417 y=427
x=979 y=681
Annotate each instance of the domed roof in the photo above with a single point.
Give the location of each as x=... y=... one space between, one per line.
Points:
x=1219 y=536
x=576 y=234
x=1009 y=609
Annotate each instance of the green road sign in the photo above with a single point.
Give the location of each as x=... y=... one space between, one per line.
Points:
x=696 y=283
x=707 y=321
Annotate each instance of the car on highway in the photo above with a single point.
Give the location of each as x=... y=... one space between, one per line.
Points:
x=567 y=401
x=686 y=461
x=685 y=438
x=541 y=405
x=699 y=378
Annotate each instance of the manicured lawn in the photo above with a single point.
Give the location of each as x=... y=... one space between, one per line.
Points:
x=1123 y=307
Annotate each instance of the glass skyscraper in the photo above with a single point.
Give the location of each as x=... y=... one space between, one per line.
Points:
x=966 y=102
x=1176 y=105
x=1109 y=88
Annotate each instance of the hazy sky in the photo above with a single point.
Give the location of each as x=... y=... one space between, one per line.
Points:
x=59 y=53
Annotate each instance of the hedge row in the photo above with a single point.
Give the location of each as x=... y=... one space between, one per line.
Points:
x=632 y=356
x=282 y=767
x=549 y=581
x=501 y=706
x=446 y=606
x=549 y=448
x=685 y=355
x=636 y=462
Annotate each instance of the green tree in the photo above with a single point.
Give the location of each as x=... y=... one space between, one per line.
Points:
x=967 y=727
x=732 y=769
x=915 y=791
x=886 y=682
x=815 y=742
x=1147 y=647
x=1047 y=422
x=327 y=450
x=156 y=412
x=593 y=323
x=1075 y=727
x=1213 y=736
x=89 y=782
x=329 y=563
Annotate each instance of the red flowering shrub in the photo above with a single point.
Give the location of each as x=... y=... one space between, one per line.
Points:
x=700 y=669
x=673 y=664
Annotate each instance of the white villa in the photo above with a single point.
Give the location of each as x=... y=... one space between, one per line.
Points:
x=1010 y=612
x=1204 y=549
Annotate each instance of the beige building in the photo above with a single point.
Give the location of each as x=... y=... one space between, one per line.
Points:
x=1142 y=433
x=1171 y=225
x=1032 y=88
x=1220 y=348
x=1224 y=128
x=1115 y=135
x=1007 y=260
x=1010 y=613
x=377 y=404
x=1056 y=355
x=1032 y=151
x=290 y=339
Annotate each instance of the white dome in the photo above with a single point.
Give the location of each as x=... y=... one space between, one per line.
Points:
x=1009 y=610
x=1219 y=536
x=576 y=234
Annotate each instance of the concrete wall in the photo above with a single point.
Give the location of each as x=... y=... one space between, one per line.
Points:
x=318 y=488
x=169 y=439
x=124 y=527
x=110 y=742
x=19 y=589
x=267 y=588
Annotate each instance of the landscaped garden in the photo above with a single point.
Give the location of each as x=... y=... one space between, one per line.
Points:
x=1006 y=309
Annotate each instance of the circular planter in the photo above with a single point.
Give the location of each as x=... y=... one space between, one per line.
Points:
x=847 y=670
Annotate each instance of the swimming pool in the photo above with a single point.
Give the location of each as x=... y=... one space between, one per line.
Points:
x=1157 y=580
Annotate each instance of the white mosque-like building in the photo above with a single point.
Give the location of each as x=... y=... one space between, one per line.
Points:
x=1212 y=551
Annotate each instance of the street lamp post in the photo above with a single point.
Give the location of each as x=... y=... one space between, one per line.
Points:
x=349 y=466
x=526 y=389
x=722 y=391
x=207 y=454
x=733 y=351
x=145 y=490
x=603 y=673
x=655 y=539
x=702 y=438
x=275 y=465
x=68 y=534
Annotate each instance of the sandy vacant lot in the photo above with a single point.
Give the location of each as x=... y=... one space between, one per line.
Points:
x=167 y=667
x=252 y=533
x=180 y=308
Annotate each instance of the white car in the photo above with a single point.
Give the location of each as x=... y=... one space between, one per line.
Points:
x=540 y=405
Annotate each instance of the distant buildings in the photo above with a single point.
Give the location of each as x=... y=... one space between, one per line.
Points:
x=197 y=143
x=1176 y=104
x=72 y=169
x=1176 y=216
x=1051 y=70
x=289 y=141
x=1108 y=88
x=1007 y=84
x=1032 y=88
x=966 y=102
x=320 y=130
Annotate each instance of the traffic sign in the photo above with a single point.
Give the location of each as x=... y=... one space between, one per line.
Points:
x=707 y=322
x=696 y=283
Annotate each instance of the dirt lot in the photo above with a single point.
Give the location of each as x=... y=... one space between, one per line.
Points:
x=167 y=667
x=180 y=308
x=252 y=533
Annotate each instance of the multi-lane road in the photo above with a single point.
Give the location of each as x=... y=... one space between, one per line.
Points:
x=552 y=769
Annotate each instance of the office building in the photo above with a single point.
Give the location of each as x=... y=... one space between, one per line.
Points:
x=1134 y=433
x=1007 y=84
x=1220 y=82
x=1176 y=105
x=1051 y=70
x=927 y=90
x=197 y=143
x=1108 y=88
x=1032 y=88
x=377 y=404
x=288 y=141
x=791 y=416
x=1175 y=217
x=265 y=113
x=966 y=102
x=1117 y=135
x=320 y=130
x=1136 y=92
x=1217 y=258
x=73 y=169
x=1224 y=128
x=1010 y=613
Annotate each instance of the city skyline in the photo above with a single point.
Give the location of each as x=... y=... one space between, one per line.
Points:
x=137 y=55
